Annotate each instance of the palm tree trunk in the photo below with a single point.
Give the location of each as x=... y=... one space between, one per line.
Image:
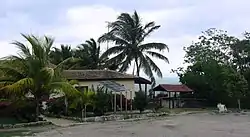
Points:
x=66 y=105
x=37 y=109
x=82 y=114
x=85 y=111
x=239 y=106
x=138 y=72
x=133 y=73
x=115 y=103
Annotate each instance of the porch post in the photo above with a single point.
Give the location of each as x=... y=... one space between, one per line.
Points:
x=169 y=99
x=126 y=105
x=175 y=100
x=121 y=100
x=146 y=92
x=112 y=101
x=115 y=103
x=131 y=101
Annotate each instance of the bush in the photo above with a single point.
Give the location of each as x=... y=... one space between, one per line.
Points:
x=140 y=101
x=102 y=101
x=4 y=103
x=56 y=106
x=25 y=110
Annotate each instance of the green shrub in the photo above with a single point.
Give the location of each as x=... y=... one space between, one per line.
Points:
x=25 y=110
x=56 y=106
x=140 y=101
x=102 y=101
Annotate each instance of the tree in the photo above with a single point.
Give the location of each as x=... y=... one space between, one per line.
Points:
x=90 y=55
x=35 y=74
x=140 y=101
x=212 y=44
x=58 y=55
x=235 y=84
x=215 y=68
x=84 y=99
x=128 y=33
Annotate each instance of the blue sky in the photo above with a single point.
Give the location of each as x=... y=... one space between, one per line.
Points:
x=74 y=21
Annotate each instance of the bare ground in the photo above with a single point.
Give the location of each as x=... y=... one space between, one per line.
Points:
x=195 y=125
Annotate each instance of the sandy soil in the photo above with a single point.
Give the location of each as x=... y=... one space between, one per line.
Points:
x=196 y=125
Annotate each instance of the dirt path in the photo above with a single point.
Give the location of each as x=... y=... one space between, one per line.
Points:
x=196 y=125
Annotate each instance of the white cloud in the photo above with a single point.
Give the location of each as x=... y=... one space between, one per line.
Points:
x=7 y=49
x=180 y=23
x=90 y=22
x=85 y=22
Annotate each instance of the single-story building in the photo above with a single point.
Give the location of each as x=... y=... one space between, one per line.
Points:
x=108 y=78
x=171 y=94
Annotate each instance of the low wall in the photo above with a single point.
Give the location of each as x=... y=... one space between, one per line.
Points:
x=116 y=117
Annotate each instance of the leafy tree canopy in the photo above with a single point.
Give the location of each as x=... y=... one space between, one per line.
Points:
x=217 y=67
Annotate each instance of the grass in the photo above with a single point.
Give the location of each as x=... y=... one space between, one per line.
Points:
x=9 y=120
x=26 y=131
x=19 y=131
x=15 y=133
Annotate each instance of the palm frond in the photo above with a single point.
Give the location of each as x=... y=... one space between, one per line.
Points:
x=7 y=79
x=73 y=82
x=64 y=87
x=148 y=32
x=12 y=71
x=146 y=66
x=34 y=42
x=149 y=25
x=21 y=86
x=117 y=59
x=150 y=46
x=158 y=55
x=125 y=64
x=67 y=61
x=154 y=67
x=49 y=41
x=136 y=18
x=113 y=50
x=12 y=57
x=24 y=50
x=112 y=37
x=125 y=17
x=47 y=75
x=5 y=83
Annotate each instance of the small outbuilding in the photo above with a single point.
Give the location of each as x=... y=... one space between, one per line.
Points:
x=171 y=94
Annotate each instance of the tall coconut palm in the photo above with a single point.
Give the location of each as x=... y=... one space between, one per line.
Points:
x=35 y=75
x=90 y=54
x=128 y=33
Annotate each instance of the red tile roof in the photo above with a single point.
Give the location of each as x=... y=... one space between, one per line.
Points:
x=172 y=88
